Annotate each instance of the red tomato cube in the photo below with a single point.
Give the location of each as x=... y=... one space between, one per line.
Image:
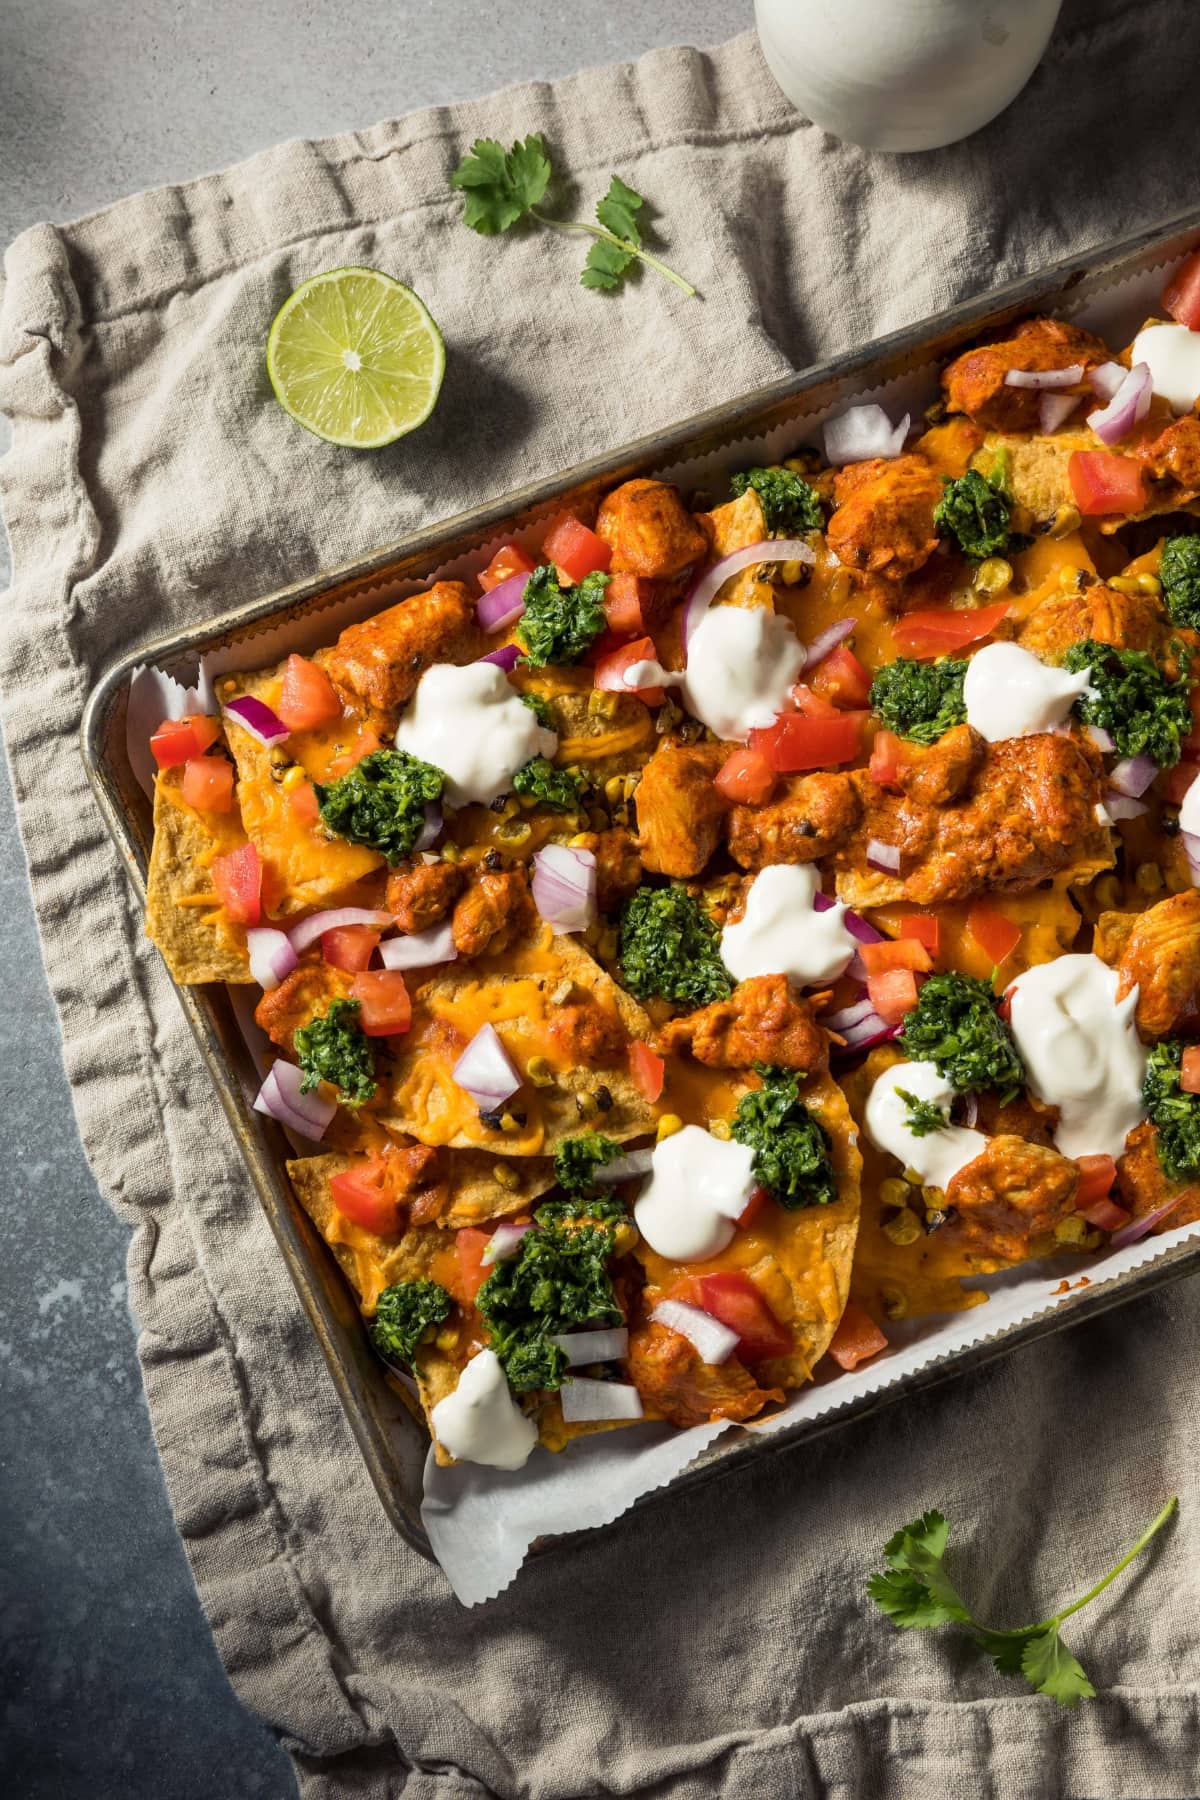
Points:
x=208 y=784
x=360 y=1195
x=349 y=947
x=1181 y=296
x=857 y=1337
x=178 y=740
x=647 y=1071
x=745 y=777
x=237 y=878
x=892 y=993
x=1103 y=482
x=385 y=1008
x=307 y=698
x=795 y=743
x=509 y=560
x=840 y=677
x=574 y=550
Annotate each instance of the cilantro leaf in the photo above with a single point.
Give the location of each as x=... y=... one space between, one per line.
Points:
x=502 y=186
x=618 y=209
x=1130 y=696
x=606 y=264
x=791 y=1146
x=1006 y=1648
x=559 y=623
x=928 y=1533
x=975 y=513
x=1048 y=1666
x=790 y=506
x=924 y=1116
x=920 y=701
x=907 y=1601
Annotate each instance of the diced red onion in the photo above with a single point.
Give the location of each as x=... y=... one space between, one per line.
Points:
x=715 y=1342
x=256 y=717
x=1130 y=403
x=1191 y=845
x=280 y=1097
x=829 y=640
x=564 y=887
x=485 y=1070
x=587 y=1401
x=584 y=1347
x=1133 y=775
x=1141 y=1227
x=431 y=831
x=860 y=1025
x=503 y=605
x=309 y=930
x=506 y=657
x=1045 y=378
x=703 y=589
x=1123 y=806
x=1055 y=409
x=862 y=432
x=849 y=1016
x=883 y=856
x=420 y=949
x=855 y=924
x=634 y=1163
x=1097 y=737
x=272 y=957
x=970 y=1110
x=1106 y=378
x=504 y=1242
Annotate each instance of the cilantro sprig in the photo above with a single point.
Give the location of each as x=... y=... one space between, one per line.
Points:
x=916 y=1593
x=503 y=186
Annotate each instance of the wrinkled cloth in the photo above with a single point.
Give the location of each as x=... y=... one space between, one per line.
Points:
x=720 y=1642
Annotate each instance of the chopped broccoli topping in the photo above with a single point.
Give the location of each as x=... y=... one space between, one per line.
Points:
x=920 y=700
x=559 y=623
x=381 y=801
x=975 y=513
x=668 y=948
x=403 y=1316
x=541 y=709
x=558 y=1281
x=1146 y=713
x=332 y=1048
x=577 y=1159
x=791 y=1146
x=1175 y=1114
x=1179 y=572
x=539 y=780
x=790 y=506
x=956 y=1026
x=924 y=1116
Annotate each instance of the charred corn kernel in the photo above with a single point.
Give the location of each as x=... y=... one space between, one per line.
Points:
x=1148 y=877
x=451 y=853
x=903 y=1227
x=894 y=1192
x=668 y=1125
x=278 y=757
x=934 y=1199
x=1108 y=893
x=631 y=784
x=514 y=834
x=293 y=778
x=625 y=1238
x=510 y=1123
x=792 y=573
x=512 y=807
x=1124 y=584
x=1066 y=520
x=1093 y=1240
x=1149 y=584
x=721 y=1128
x=993 y=575
x=1178 y=880
x=935 y=412
x=581 y=841
x=473 y=853
x=576 y=772
x=527 y=802
x=228 y=686
x=598 y=819
x=1071 y=1231
x=620 y=815
x=893 y=1302
x=912 y=1178
x=587 y=1105
x=602 y=704
x=447 y=1337
x=539 y=1071
x=614 y=789
x=505 y=1177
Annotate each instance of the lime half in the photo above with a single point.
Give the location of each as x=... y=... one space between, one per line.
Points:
x=355 y=357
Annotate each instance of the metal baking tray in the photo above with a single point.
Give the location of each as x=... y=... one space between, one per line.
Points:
x=392 y=1442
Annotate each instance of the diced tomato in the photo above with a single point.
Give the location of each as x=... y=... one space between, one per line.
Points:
x=1189 y=1073
x=178 y=740
x=1103 y=482
x=996 y=935
x=208 y=784
x=303 y=803
x=794 y=743
x=509 y=560
x=307 y=697
x=1180 y=780
x=574 y=550
x=857 y=1337
x=367 y=740
x=887 y=759
x=1106 y=1215
x=892 y=994
x=842 y=678
x=349 y=947
x=895 y=953
x=386 y=1009
x=647 y=1070
x=634 y=605
x=360 y=1195
x=237 y=878
x=759 y=1200
x=611 y=670
x=812 y=705
x=1096 y=1176
x=471 y=1243
x=745 y=777
x=1181 y=296
x=740 y=1303
x=925 y=928
x=939 y=630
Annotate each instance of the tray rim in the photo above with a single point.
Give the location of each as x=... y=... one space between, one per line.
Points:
x=373 y=1424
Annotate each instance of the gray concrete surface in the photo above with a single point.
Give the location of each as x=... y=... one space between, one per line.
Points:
x=109 y=1683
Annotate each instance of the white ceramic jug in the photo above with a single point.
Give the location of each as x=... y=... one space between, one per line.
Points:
x=903 y=74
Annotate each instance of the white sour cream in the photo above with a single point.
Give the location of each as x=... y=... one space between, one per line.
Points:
x=780 y=934
x=742 y=663
x=1081 y=1051
x=939 y=1155
x=480 y=1422
x=698 y=1186
x=1189 y=812
x=1173 y=355
x=473 y=725
x=1010 y=693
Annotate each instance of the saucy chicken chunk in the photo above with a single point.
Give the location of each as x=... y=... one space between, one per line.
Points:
x=974 y=383
x=1143 y=1184
x=936 y=774
x=587 y=1034
x=379 y=663
x=650 y=530
x=680 y=813
x=670 y=1376
x=1174 y=453
x=1127 y=621
x=1012 y=1193
x=496 y=908
x=761 y=1022
x=816 y=814
x=1161 y=958
x=300 y=997
x=883 y=522
x=618 y=865
x=421 y=894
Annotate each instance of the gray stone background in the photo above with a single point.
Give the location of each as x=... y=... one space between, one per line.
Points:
x=109 y=1683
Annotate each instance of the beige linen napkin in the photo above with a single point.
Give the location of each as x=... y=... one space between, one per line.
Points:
x=720 y=1643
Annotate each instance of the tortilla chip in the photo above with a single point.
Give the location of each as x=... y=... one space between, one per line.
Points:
x=734 y=526
x=615 y=740
x=1037 y=467
x=518 y=999
x=183 y=915
x=1112 y=933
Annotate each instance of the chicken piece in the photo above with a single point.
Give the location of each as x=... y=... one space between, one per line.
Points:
x=496 y=908
x=1013 y=1193
x=1162 y=960
x=950 y=445
x=421 y=894
x=650 y=530
x=936 y=774
x=1016 y=1118
x=415 y=1176
x=974 y=382
x=1127 y=621
x=1144 y=1185
x=761 y=1022
x=883 y=525
x=379 y=663
x=1174 y=454
x=680 y=813
x=734 y=526
x=305 y=994
x=587 y=1034
x=816 y=814
x=618 y=865
x=669 y=1375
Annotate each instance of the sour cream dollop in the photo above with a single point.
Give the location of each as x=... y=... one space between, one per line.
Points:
x=1173 y=355
x=937 y=1156
x=480 y=1422
x=473 y=725
x=698 y=1186
x=1081 y=1051
x=779 y=933
x=742 y=664
x=1010 y=694
x=1189 y=812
